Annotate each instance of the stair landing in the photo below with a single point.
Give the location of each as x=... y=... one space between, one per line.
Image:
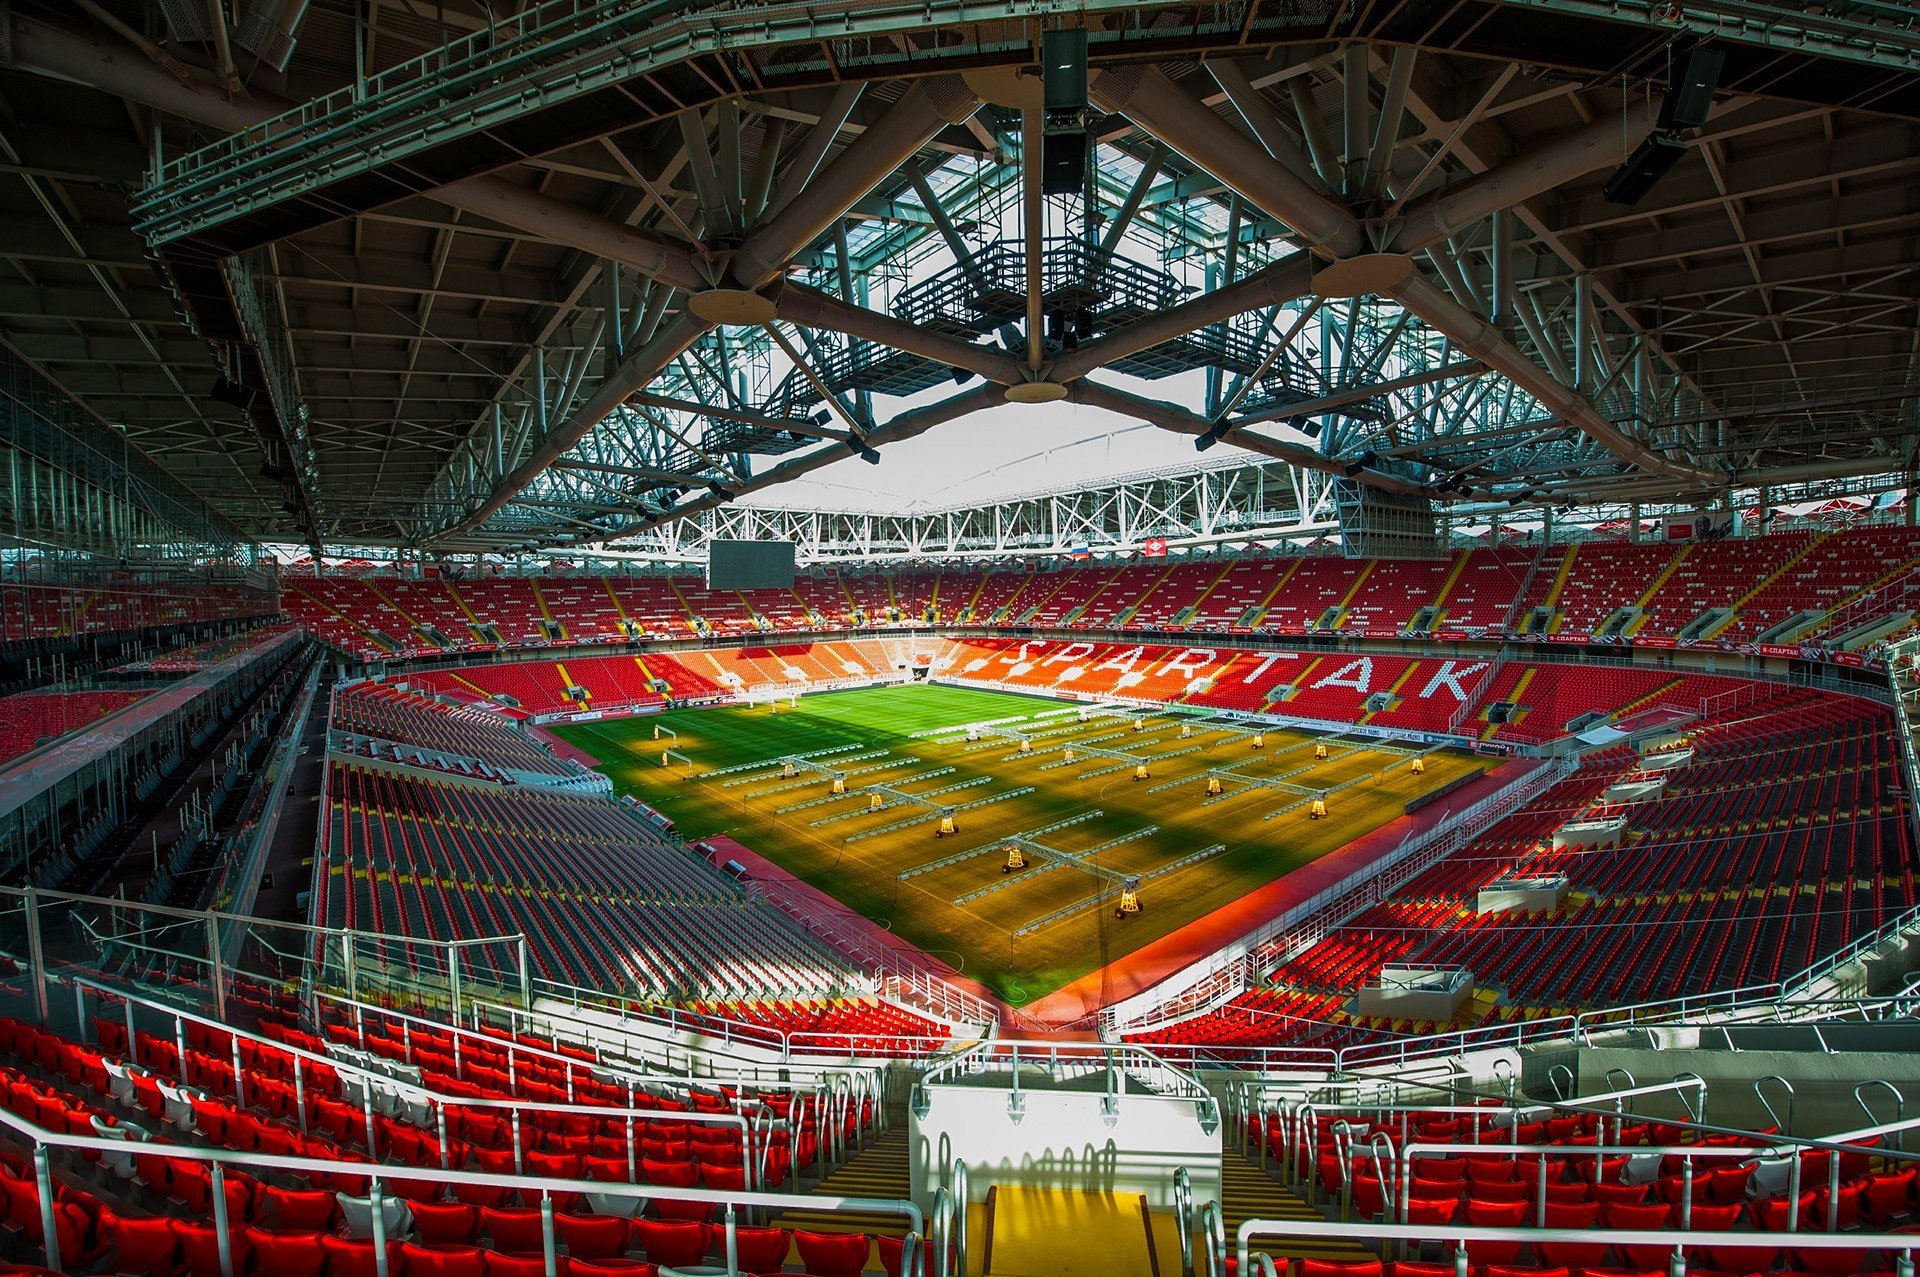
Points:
x=1058 y=1232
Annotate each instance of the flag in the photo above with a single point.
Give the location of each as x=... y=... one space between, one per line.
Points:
x=1153 y=548
x=1079 y=554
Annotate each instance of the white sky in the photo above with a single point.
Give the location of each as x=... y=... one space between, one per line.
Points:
x=1007 y=451
x=1014 y=449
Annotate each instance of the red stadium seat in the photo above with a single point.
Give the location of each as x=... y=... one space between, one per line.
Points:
x=1572 y=1254
x=1334 y=1268
x=1485 y=1214
x=286 y=1254
x=146 y=1245
x=598 y=1236
x=674 y=1243
x=300 y=1210
x=514 y=1228
x=352 y=1257
x=200 y=1244
x=433 y=1260
x=832 y=1254
x=445 y=1224
x=1889 y=1196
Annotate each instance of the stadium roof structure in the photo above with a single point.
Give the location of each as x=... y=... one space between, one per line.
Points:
x=472 y=276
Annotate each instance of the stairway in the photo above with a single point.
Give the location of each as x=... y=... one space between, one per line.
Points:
x=878 y=1170
x=1249 y=1192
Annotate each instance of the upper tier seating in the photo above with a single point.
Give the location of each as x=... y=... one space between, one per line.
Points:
x=1834 y=571
x=1393 y=592
x=1471 y=594
x=436 y=614
x=1484 y=592
x=1168 y=604
x=582 y=607
x=56 y=611
x=1716 y=574
x=30 y=717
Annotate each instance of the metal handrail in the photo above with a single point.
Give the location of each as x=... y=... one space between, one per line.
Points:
x=44 y=1139
x=1183 y=1217
x=372 y=1080
x=624 y=1071
x=1902 y=1244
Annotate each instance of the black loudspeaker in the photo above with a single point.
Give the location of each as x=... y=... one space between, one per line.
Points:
x=1646 y=166
x=1063 y=71
x=1063 y=163
x=1690 y=97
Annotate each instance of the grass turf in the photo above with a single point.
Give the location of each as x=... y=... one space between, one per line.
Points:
x=810 y=837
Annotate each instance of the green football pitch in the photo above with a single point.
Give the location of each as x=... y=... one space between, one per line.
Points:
x=1028 y=932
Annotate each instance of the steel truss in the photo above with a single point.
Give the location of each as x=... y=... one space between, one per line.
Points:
x=487 y=315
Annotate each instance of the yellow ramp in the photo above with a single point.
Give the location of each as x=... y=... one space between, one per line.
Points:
x=1057 y=1232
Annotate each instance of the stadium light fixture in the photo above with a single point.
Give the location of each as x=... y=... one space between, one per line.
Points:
x=1686 y=105
x=1650 y=162
x=1214 y=434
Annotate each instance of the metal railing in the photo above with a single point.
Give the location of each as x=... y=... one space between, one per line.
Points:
x=1902 y=1245
x=1235 y=968
x=1394 y=1162
x=221 y=1161
x=1061 y=1062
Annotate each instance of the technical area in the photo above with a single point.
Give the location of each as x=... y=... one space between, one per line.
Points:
x=945 y=640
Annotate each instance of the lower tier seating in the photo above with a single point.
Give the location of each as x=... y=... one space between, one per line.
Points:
x=1782 y=839
x=604 y=900
x=149 y=1210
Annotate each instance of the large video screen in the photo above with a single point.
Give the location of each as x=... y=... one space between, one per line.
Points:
x=750 y=565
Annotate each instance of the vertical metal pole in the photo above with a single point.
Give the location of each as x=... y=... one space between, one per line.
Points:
x=43 y=1183
x=1502 y=268
x=1583 y=334
x=1357 y=138
x=36 y=956
x=221 y=1219
x=453 y=982
x=548 y=1250
x=347 y=964
x=377 y=1217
